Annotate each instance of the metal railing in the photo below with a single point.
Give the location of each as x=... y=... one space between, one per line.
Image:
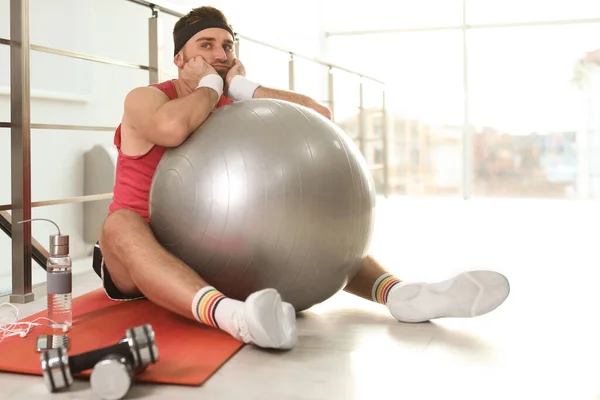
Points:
x=20 y=126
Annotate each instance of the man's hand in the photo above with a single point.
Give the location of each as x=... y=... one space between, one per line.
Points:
x=237 y=69
x=194 y=70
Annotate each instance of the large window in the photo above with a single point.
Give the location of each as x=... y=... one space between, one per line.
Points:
x=525 y=109
x=486 y=98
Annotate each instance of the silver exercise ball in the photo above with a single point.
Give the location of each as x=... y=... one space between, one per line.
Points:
x=266 y=194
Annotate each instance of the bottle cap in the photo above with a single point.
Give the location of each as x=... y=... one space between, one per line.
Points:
x=59 y=245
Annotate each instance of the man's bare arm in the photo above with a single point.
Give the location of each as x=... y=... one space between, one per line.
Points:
x=240 y=88
x=164 y=122
x=270 y=93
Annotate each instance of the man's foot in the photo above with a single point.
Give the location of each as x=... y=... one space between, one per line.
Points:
x=263 y=319
x=266 y=321
x=466 y=295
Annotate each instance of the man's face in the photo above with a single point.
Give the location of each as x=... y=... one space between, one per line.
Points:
x=215 y=45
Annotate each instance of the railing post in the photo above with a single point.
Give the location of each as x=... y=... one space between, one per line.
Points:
x=20 y=144
x=384 y=133
x=291 y=79
x=154 y=50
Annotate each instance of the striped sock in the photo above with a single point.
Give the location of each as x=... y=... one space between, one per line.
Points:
x=382 y=287
x=263 y=319
x=204 y=305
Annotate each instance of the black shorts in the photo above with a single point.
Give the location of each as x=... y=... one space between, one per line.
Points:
x=109 y=287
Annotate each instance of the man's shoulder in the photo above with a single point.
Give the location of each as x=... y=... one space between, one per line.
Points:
x=159 y=90
x=164 y=85
x=167 y=87
x=146 y=95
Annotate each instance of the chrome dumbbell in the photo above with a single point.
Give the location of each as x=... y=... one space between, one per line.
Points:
x=138 y=347
x=111 y=377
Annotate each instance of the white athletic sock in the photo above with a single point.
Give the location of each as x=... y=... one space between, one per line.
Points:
x=263 y=319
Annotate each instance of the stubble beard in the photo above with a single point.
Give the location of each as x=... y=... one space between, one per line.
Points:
x=222 y=73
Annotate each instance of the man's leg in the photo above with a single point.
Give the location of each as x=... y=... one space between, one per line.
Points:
x=468 y=294
x=137 y=263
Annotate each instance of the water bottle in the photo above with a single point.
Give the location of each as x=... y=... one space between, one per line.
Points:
x=59 y=280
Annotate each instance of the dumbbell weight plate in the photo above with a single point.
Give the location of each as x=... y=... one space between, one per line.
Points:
x=111 y=377
x=141 y=340
x=55 y=369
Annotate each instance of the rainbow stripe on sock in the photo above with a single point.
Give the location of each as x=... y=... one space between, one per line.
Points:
x=205 y=303
x=382 y=287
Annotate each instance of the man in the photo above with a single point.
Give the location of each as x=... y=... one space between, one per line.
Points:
x=132 y=264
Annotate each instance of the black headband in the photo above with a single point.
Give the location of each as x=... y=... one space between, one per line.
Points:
x=190 y=30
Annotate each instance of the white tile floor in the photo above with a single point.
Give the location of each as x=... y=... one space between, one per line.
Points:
x=543 y=343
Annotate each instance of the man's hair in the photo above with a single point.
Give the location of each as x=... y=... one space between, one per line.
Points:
x=198 y=14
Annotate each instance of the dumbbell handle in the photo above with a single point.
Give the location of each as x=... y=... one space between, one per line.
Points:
x=82 y=362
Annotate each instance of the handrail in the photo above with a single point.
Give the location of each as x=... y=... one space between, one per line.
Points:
x=167 y=10
x=88 y=57
x=68 y=200
x=4 y=124
x=81 y=56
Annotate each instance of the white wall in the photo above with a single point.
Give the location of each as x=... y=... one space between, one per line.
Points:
x=71 y=91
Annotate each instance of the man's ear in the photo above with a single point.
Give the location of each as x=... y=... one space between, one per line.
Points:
x=178 y=60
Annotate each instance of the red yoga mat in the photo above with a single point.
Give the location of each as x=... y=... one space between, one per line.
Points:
x=189 y=352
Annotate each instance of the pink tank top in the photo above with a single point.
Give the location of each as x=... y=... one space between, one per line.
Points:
x=134 y=173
